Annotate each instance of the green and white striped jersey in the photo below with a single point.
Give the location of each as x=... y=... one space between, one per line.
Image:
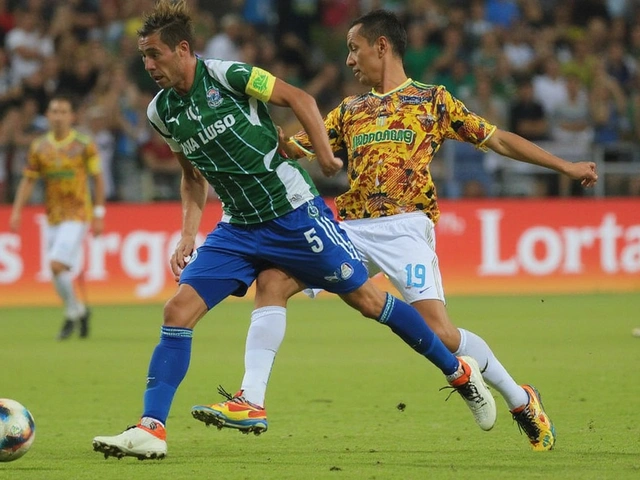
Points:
x=223 y=127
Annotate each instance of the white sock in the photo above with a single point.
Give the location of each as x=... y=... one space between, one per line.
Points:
x=494 y=373
x=264 y=337
x=63 y=282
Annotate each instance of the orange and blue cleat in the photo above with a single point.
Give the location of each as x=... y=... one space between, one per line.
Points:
x=235 y=412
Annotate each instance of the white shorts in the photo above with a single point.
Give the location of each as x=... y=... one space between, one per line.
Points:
x=64 y=242
x=403 y=247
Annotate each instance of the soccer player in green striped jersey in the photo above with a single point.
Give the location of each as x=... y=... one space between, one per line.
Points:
x=214 y=116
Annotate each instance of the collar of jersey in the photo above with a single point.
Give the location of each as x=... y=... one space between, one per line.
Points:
x=65 y=141
x=399 y=87
x=200 y=67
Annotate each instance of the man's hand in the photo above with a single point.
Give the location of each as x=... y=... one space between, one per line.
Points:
x=330 y=166
x=182 y=255
x=583 y=171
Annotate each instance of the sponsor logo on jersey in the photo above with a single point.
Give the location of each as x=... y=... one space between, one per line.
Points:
x=173 y=119
x=209 y=133
x=214 y=99
x=411 y=99
x=401 y=135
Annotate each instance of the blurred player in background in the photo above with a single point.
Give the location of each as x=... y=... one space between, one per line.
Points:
x=214 y=116
x=391 y=135
x=65 y=160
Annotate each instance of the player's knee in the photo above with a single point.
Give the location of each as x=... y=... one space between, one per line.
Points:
x=183 y=312
x=368 y=300
x=57 y=267
x=275 y=287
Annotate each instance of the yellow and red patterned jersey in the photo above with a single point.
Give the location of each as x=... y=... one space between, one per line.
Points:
x=64 y=166
x=390 y=140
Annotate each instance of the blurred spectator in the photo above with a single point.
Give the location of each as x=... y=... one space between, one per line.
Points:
x=111 y=26
x=7 y=20
x=549 y=88
x=477 y=24
x=94 y=120
x=619 y=66
x=420 y=53
x=527 y=119
x=571 y=125
x=488 y=55
x=597 y=35
x=527 y=116
x=27 y=46
x=9 y=92
x=297 y=17
x=458 y=79
x=519 y=50
x=260 y=14
x=81 y=78
x=502 y=13
x=571 y=118
x=24 y=124
x=452 y=50
x=163 y=172
x=582 y=62
x=226 y=44
x=608 y=109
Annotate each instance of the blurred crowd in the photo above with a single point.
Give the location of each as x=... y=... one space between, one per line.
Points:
x=565 y=75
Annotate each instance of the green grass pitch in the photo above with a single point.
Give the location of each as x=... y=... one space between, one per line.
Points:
x=334 y=393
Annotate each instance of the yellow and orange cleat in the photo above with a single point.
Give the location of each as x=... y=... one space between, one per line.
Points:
x=533 y=421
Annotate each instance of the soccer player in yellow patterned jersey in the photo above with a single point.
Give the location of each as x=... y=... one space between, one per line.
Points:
x=391 y=135
x=65 y=160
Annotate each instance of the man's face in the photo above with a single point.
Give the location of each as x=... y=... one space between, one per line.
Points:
x=163 y=64
x=60 y=115
x=363 y=59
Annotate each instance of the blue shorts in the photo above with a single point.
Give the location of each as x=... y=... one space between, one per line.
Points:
x=307 y=242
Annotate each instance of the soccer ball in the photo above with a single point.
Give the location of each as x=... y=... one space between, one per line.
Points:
x=17 y=430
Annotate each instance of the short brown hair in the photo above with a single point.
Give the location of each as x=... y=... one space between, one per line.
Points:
x=173 y=22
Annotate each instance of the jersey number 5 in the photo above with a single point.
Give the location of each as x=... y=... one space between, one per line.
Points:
x=314 y=240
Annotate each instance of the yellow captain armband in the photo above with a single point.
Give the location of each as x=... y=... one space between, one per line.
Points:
x=260 y=84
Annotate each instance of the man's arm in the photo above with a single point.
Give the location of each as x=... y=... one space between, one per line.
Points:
x=514 y=146
x=99 y=209
x=306 y=110
x=25 y=188
x=193 y=192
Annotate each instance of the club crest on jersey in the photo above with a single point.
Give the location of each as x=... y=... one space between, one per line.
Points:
x=214 y=99
x=313 y=211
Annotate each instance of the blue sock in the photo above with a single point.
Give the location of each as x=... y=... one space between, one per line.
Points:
x=406 y=322
x=168 y=366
